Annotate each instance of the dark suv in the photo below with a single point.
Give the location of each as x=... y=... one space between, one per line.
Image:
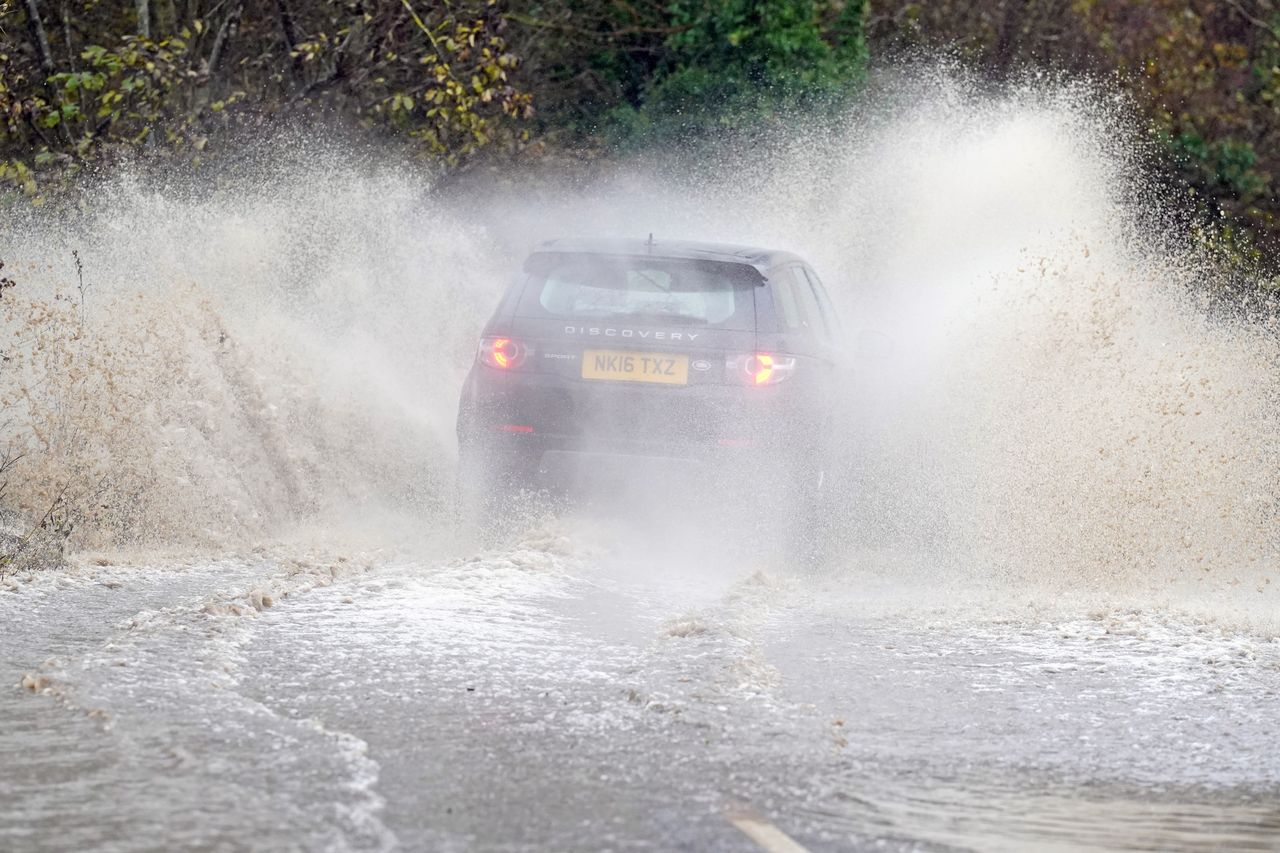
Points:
x=672 y=355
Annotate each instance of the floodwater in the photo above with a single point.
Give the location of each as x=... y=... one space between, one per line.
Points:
x=562 y=694
x=1050 y=620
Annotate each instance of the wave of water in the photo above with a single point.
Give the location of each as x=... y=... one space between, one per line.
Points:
x=1063 y=408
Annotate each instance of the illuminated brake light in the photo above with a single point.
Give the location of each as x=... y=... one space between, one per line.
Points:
x=762 y=368
x=503 y=353
x=516 y=428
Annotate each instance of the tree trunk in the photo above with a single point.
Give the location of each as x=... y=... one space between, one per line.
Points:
x=144 y=17
x=165 y=14
x=290 y=33
x=226 y=32
x=1007 y=37
x=38 y=37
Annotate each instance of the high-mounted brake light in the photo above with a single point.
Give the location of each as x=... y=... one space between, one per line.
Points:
x=503 y=353
x=762 y=368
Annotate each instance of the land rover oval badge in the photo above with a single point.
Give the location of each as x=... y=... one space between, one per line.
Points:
x=700 y=364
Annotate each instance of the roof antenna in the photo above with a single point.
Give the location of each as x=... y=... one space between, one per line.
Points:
x=649 y=243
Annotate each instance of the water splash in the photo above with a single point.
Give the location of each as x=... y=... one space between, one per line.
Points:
x=1063 y=408
x=247 y=358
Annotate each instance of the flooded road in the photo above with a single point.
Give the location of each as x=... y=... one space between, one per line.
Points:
x=1068 y=422
x=559 y=695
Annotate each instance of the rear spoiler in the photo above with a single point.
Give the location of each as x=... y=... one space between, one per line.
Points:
x=540 y=263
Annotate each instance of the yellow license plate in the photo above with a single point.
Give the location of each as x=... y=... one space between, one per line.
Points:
x=635 y=366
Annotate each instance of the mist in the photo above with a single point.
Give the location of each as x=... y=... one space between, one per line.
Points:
x=1064 y=411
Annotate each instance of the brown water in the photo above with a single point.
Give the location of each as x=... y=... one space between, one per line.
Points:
x=552 y=694
x=1051 y=619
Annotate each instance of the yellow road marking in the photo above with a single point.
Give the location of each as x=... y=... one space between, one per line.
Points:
x=765 y=834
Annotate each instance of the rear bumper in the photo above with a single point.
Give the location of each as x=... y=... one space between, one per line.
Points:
x=578 y=467
x=563 y=459
x=532 y=415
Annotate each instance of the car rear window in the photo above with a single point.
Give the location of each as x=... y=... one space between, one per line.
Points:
x=640 y=290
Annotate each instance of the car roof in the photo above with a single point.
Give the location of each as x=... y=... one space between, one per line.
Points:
x=761 y=259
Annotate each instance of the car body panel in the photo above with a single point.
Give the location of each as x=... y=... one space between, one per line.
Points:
x=549 y=411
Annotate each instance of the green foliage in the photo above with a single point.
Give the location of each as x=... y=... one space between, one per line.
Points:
x=1222 y=169
x=649 y=71
x=438 y=75
x=84 y=83
x=450 y=91
x=737 y=63
x=1206 y=73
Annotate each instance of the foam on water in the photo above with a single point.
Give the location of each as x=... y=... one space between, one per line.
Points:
x=1063 y=411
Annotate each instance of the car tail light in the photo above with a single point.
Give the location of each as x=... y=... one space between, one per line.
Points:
x=761 y=368
x=503 y=353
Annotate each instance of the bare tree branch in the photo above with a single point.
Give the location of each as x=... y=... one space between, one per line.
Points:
x=65 y=14
x=1265 y=26
x=38 y=36
x=226 y=32
x=9 y=560
x=290 y=32
x=7 y=460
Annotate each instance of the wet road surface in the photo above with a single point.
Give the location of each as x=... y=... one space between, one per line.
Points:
x=557 y=695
